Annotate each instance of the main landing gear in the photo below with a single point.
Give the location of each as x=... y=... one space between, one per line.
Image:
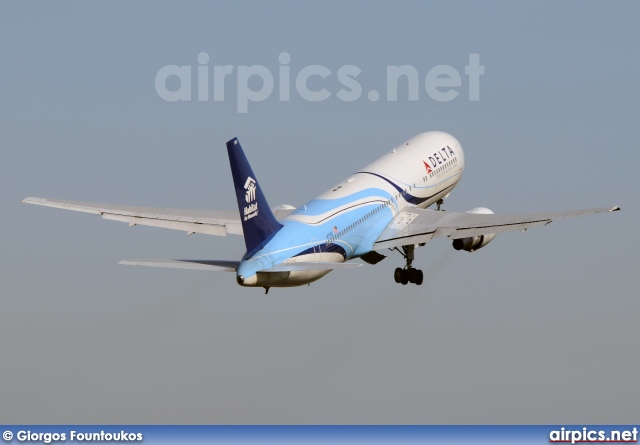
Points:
x=408 y=274
x=405 y=276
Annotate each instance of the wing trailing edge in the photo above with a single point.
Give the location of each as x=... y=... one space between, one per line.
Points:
x=413 y=225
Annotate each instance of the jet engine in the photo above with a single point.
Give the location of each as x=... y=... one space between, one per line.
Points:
x=473 y=243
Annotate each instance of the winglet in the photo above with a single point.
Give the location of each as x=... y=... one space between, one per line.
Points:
x=258 y=222
x=31 y=200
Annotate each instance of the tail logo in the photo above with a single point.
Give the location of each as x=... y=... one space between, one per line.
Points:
x=250 y=187
x=251 y=210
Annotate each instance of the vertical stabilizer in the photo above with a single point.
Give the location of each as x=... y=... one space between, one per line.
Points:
x=258 y=223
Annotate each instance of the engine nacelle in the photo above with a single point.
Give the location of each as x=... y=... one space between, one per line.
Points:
x=473 y=243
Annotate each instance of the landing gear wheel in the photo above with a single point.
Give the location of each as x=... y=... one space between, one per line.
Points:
x=412 y=275
x=408 y=274
x=418 y=277
x=404 y=276
x=397 y=275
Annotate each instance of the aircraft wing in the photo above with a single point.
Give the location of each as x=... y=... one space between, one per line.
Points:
x=209 y=265
x=210 y=222
x=413 y=225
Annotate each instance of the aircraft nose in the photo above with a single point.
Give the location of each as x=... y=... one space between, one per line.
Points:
x=240 y=279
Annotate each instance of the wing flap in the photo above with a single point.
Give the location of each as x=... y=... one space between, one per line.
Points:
x=210 y=222
x=208 y=265
x=424 y=225
x=485 y=230
x=176 y=225
x=405 y=239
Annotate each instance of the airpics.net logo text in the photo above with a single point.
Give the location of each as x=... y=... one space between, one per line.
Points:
x=256 y=83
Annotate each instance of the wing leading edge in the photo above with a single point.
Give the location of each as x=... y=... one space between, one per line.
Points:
x=413 y=225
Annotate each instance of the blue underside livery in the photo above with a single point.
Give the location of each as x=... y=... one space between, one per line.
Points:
x=342 y=231
x=296 y=239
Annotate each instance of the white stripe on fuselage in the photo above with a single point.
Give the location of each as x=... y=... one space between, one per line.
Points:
x=298 y=248
x=326 y=216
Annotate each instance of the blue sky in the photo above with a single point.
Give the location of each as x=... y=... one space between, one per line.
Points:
x=539 y=327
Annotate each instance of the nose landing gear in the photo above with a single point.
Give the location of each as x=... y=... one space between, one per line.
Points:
x=408 y=274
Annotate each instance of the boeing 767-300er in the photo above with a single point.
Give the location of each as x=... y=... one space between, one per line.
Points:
x=382 y=206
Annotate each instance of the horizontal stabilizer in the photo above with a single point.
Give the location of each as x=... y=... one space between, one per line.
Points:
x=210 y=265
x=301 y=266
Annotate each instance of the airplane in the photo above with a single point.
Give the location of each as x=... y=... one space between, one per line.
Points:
x=382 y=206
